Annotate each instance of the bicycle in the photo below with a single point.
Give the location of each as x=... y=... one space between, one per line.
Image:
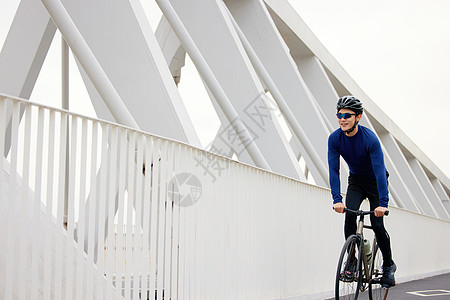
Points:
x=358 y=269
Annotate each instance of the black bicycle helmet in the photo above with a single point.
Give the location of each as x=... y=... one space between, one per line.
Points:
x=351 y=103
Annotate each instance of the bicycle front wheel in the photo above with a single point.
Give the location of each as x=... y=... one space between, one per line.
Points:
x=349 y=273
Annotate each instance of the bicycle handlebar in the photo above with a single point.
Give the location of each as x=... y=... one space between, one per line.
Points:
x=362 y=212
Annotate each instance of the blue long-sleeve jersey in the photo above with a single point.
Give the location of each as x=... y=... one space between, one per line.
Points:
x=362 y=152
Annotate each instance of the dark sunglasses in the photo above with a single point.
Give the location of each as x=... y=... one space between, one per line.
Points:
x=345 y=116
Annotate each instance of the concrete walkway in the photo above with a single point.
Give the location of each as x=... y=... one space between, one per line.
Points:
x=430 y=288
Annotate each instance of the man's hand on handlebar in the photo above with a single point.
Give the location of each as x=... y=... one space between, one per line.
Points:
x=339 y=207
x=380 y=211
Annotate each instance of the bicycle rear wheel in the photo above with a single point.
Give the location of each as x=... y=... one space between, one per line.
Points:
x=376 y=291
x=348 y=282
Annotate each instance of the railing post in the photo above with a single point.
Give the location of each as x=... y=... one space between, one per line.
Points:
x=65 y=105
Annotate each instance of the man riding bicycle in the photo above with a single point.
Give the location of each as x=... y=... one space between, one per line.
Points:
x=361 y=150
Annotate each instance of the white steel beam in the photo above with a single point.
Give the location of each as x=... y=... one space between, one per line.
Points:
x=65 y=74
x=403 y=196
x=244 y=90
x=316 y=165
x=260 y=30
x=174 y=54
x=32 y=32
x=397 y=187
x=208 y=76
x=171 y=48
x=443 y=195
x=415 y=190
x=425 y=183
x=120 y=36
x=222 y=143
x=320 y=86
x=89 y=62
x=25 y=49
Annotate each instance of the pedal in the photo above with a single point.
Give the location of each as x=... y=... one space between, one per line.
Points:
x=375 y=280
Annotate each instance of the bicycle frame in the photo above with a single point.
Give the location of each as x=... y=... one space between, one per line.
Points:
x=360 y=234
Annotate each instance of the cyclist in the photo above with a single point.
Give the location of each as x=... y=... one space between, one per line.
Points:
x=361 y=150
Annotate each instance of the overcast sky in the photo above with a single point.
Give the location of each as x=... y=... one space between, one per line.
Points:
x=396 y=51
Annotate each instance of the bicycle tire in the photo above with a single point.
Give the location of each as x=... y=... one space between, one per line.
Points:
x=376 y=292
x=347 y=287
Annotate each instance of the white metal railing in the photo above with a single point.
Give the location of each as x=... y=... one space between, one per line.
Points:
x=136 y=216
